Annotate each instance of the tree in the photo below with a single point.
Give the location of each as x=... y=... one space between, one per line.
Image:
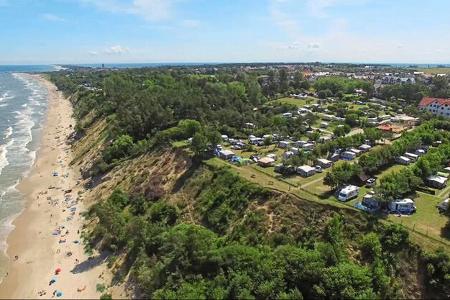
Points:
x=348 y=281
x=298 y=79
x=199 y=143
x=352 y=119
x=341 y=174
x=120 y=148
x=341 y=130
x=284 y=82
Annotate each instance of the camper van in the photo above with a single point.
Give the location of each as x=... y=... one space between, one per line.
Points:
x=403 y=206
x=347 y=193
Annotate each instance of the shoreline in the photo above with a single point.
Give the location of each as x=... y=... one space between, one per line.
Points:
x=46 y=233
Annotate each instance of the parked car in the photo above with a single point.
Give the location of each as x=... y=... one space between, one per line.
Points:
x=370 y=182
x=318 y=169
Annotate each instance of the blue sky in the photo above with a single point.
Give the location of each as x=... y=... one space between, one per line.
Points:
x=96 y=31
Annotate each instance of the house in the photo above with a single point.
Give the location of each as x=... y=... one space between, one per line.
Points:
x=284 y=144
x=411 y=156
x=436 y=181
x=226 y=154
x=391 y=128
x=266 y=162
x=364 y=147
x=405 y=120
x=402 y=206
x=436 y=106
x=306 y=171
x=324 y=163
x=403 y=160
x=348 y=155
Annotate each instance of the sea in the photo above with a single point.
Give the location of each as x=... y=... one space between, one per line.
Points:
x=23 y=105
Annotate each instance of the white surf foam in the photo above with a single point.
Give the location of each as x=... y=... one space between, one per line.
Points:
x=6 y=96
x=3 y=155
x=8 y=132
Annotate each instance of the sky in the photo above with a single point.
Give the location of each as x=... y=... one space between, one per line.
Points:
x=150 y=31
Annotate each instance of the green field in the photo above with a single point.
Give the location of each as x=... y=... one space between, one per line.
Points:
x=435 y=70
x=427 y=219
x=294 y=101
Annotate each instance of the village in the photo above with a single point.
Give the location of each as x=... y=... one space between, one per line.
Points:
x=301 y=163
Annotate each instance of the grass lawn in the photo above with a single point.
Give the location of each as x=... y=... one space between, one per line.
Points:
x=294 y=101
x=180 y=144
x=394 y=168
x=358 y=106
x=427 y=220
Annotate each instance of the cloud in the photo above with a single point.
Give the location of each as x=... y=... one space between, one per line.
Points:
x=282 y=19
x=52 y=18
x=116 y=50
x=150 y=10
x=313 y=46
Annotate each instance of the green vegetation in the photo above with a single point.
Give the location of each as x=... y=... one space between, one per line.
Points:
x=294 y=101
x=338 y=86
x=173 y=259
x=183 y=225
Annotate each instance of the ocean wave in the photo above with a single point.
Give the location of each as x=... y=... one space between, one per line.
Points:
x=8 y=132
x=3 y=157
x=6 y=96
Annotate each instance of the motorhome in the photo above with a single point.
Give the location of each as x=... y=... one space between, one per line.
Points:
x=348 y=192
x=402 y=206
x=348 y=155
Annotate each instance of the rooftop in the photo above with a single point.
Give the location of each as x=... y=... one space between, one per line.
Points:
x=429 y=100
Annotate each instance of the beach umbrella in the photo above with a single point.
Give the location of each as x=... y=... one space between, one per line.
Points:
x=57 y=271
x=59 y=293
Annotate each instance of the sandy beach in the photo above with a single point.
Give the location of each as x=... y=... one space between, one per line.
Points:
x=47 y=233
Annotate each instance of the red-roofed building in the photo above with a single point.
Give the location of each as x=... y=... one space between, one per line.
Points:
x=436 y=106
